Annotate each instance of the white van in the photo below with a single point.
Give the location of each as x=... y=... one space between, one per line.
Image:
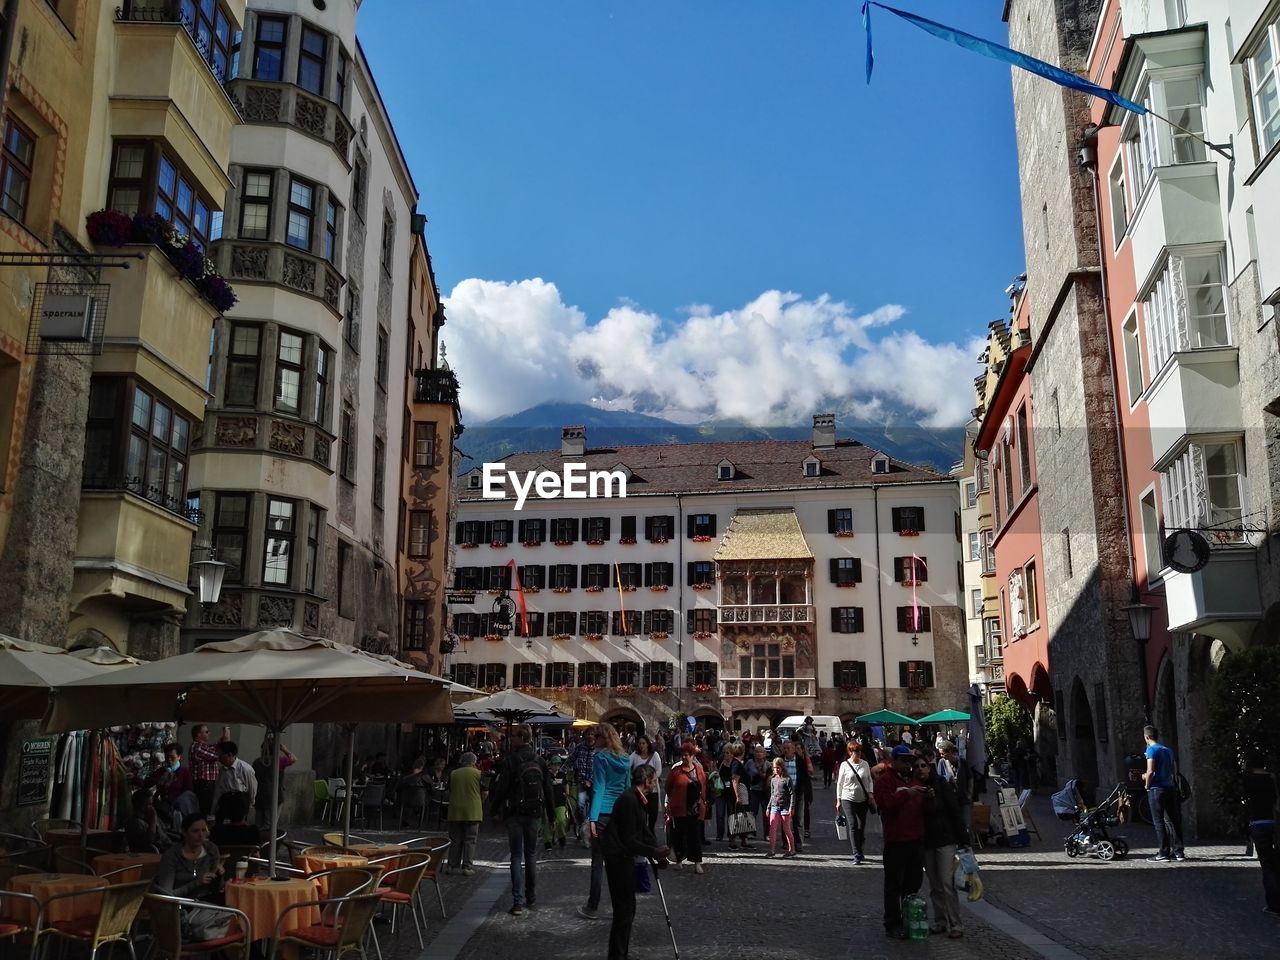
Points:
x=828 y=725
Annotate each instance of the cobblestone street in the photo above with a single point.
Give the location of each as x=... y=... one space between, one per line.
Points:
x=1038 y=904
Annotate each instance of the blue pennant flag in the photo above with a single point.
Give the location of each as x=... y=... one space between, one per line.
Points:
x=996 y=52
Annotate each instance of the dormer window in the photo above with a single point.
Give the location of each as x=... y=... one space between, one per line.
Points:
x=812 y=467
x=473 y=481
x=880 y=465
x=623 y=469
x=726 y=470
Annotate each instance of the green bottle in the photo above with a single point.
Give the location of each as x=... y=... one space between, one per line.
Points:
x=917 y=917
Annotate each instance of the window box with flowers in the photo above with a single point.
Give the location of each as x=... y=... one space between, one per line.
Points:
x=845 y=584
x=111 y=228
x=564 y=543
x=628 y=588
x=591 y=688
x=702 y=635
x=595 y=588
x=701 y=688
x=493 y=637
x=492 y=689
x=913 y=583
x=597 y=637
x=499 y=545
x=659 y=540
x=524 y=589
x=657 y=689
x=908 y=533
x=843 y=534
x=562 y=689
x=659 y=635
x=495 y=593
x=561 y=589
x=660 y=588
x=560 y=636
x=525 y=688
x=531 y=544
x=627 y=541
x=595 y=543
x=850 y=689
x=701 y=538
x=625 y=690
x=703 y=586
x=468 y=546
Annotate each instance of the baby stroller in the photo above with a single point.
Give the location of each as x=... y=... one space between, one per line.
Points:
x=1091 y=837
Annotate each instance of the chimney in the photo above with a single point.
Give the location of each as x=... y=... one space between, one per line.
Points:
x=824 y=431
x=573 y=441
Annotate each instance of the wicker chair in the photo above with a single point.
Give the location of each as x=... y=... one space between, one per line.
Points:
x=436 y=855
x=342 y=882
x=402 y=887
x=41 y=827
x=75 y=859
x=321 y=849
x=166 y=928
x=12 y=927
x=343 y=930
x=335 y=839
x=120 y=904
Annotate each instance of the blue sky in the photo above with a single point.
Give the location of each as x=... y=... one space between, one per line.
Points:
x=648 y=156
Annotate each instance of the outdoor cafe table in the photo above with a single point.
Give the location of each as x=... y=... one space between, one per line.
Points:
x=70 y=837
x=376 y=851
x=136 y=862
x=263 y=901
x=315 y=862
x=42 y=886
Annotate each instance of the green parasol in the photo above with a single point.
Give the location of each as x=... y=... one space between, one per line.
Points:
x=885 y=716
x=945 y=716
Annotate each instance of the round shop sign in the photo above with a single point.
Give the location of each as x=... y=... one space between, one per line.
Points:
x=504 y=609
x=1185 y=551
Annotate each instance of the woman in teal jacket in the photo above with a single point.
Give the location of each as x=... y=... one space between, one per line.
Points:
x=610 y=779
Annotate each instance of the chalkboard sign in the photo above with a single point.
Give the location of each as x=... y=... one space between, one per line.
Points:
x=33 y=772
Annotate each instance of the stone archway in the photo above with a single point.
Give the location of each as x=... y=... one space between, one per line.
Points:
x=1164 y=710
x=1084 y=746
x=625 y=720
x=91 y=639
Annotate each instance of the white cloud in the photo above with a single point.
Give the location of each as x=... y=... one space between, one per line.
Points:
x=777 y=359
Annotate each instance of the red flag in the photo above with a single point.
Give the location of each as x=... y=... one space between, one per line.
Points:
x=515 y=582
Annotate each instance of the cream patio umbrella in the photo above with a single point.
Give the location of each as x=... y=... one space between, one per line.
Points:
x=28 y=671
x=273 y=678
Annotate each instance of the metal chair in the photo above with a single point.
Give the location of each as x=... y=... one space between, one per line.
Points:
x=75 y=859
x=351 y=917
x=259 y=865
x=43 y=826
x=413 y=798
x=120 y=905
x=12 y=927
x=335 y=839
x=338 y=794
x=322 y=797
x=373 y=796
x=436 y=856
x=402 y=887
x=166 y=928
x=38 y=856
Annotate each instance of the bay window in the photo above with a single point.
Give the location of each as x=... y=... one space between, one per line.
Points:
x=1186 y=308
x=302 y=197
x=277 y=564
x=255 y=205
x=311 y=60
x=1202 y=489
x=1149 y=143
x=268 y=48
x=16 y=162
x=146 y=178
x=289 y=373
x=1264 y=81
x=231 y=532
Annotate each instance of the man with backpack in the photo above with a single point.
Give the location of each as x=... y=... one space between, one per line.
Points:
x=1160 y=779
x=522 y=799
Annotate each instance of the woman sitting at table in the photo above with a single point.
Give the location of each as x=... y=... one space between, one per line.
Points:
x=143 y=832
x=192 y=868
x=233 y=828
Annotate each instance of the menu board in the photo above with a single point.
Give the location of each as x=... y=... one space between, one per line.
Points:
x=33 y=771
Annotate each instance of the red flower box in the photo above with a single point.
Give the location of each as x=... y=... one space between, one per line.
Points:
x=659 y=540
x=597 y=637
x=498 y=545
x=843 y=534
x=564 y=543
x=493 y=637
x=703 y=586
x=531 y=544
x=701 y=538
x=908 y=533
x=561 y=589
x=627 y=541
x=660 y=588
x=701 y=635
x=594 y=589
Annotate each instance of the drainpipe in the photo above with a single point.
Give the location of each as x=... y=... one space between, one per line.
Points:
x=884 y=666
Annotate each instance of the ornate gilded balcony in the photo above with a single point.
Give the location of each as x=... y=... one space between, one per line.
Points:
x=766 y=613
x=774 y=687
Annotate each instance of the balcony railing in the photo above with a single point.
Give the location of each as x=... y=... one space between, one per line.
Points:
x=139 y=487
x=766 y=613
x=435 y=386
x=778 y=687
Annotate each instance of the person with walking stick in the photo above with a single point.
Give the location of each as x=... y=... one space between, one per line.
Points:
x=627 y=836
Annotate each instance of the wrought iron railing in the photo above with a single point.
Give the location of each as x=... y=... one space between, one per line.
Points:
x=139 y=487
x=435 y=386
x=171 y=11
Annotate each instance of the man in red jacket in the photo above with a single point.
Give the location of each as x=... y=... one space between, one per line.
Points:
x=902 y=803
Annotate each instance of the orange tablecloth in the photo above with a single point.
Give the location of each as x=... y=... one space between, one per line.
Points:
x=263 y=901
x=316 y=862
x=42 y=886
x=142 y=866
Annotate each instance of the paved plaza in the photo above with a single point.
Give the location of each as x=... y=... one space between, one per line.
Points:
x=819 y=905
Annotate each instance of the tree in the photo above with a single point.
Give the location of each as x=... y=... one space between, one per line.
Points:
x=1007 y=723
x=1244 y=715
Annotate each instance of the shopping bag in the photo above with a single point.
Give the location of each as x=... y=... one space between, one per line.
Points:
x=842 y=827
x=741 y=824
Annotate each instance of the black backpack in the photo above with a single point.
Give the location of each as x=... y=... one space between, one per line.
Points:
x=528 y=796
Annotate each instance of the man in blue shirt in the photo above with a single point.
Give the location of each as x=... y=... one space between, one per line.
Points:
x=1162 y=791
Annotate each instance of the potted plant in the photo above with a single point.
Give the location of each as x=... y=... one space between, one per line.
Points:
x=659 y=588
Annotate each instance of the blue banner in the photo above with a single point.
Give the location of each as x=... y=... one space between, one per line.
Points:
x=996 y=52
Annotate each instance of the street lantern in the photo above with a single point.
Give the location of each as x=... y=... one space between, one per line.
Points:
x=209 y=574
x=1140 y=626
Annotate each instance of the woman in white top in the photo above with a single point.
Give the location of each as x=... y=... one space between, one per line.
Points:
x=644 y=754
x=853 y=795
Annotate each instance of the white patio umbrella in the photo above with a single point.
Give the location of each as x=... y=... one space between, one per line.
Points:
x=29 y=671
x=273 y=678
x=511 y=706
